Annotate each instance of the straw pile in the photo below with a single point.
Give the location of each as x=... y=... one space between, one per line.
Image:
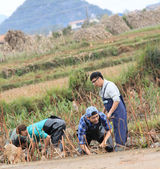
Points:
x=15 y=39
x=18 y=42
x=96 y=32
x=140 y=19
x=115 y=24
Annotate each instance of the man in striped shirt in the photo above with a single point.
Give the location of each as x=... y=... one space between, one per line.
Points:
x=94 y=126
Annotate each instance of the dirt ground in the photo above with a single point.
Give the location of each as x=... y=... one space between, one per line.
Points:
x=141 y=159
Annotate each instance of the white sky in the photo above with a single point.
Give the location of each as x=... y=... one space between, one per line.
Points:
x=7 y=7
x=121 y=5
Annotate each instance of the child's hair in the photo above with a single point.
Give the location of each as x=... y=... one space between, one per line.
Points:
x=21 y=127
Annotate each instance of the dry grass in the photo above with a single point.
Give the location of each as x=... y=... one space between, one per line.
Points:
x=14 y=154
x=140 y=135
x=40 y=88
x=140 y=132
x=64 y=50
x=115 y=71
x=32 y=90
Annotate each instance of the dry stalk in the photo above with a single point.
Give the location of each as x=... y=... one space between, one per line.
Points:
x=63 y=145
x=112 y=134
x=57 y=152
x=69 y=141
x=4 y=123
x=68 y=150
x=143 y=110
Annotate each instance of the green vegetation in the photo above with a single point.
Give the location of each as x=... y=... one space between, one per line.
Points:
x=139 y=85
x=41 y=76
x=60 y=62
x=152 y=61
x=78 y=83
x=57 y=62
x=145 y=29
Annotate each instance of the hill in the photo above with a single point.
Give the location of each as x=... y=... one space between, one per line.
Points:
x=153 y=6
x=2 y=18
x=41 y=16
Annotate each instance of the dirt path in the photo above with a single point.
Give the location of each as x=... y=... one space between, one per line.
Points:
x=141 y=159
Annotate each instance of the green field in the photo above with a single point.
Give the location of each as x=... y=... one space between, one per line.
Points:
x=37 y=85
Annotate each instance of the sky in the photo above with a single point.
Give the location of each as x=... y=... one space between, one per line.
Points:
x=7 y=7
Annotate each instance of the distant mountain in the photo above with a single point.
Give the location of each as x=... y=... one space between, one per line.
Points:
x=153 y=6
x=44 y=15
x=2 y=18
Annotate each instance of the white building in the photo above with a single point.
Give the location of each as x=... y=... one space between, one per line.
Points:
x=76 y=24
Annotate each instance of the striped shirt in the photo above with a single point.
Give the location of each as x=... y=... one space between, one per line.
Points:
x=85 y=123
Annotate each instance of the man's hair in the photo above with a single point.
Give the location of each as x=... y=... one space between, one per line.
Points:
x=93 y=113
x=21 y=127
x=95 y=75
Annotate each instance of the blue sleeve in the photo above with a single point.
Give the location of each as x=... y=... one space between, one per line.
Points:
x=105 y=121
x=82 y=131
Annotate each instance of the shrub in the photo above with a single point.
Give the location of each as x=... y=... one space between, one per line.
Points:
x=60 y=94
x=152 y=58
x=56 y=34
x=84 y=44
x=78 y=80
x=67 y=30
x=79 y=84
x=111 y=51
x=23 y=104
x=150 y=62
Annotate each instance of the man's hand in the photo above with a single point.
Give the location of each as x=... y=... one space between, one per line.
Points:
x=109 y=115
x=113 y=108
x=102 y=145
x=85 y=148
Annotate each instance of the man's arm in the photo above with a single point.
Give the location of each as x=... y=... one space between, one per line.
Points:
x=46 y=143
x=33 y=146
x=85 y=149
x=103 y=144
x=82 y=136
x=104 y=110
x=113 y=108
x=106 y=124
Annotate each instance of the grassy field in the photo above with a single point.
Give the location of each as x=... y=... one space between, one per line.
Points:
x=35 y=86
x=41 y=88
x=21 y=71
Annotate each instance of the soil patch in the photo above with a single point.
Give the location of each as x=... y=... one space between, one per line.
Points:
x=143 y=159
